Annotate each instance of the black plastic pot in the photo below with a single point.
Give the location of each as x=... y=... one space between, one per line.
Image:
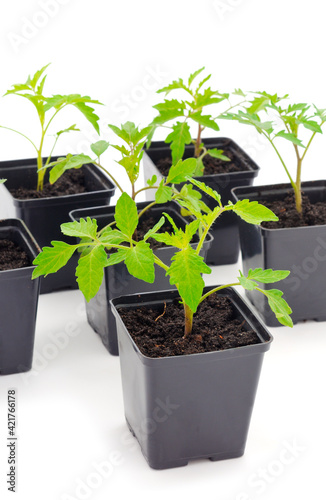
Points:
x=188 y=407
x=18 y=303
x=225 y=247
x=43 y=216
x=301 y=250
x=117 y=280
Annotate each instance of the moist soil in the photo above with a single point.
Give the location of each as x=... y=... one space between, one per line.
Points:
x=12 y=256
x=159 y=332
x=313 y=214
x=71 y=182
x=211 y=165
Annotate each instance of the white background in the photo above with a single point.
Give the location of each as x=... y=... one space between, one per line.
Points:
x=70 y=411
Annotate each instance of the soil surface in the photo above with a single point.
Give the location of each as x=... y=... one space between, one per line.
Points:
x=216 y=326
x=312 y=214
x=12 y=256
x=212 y=165
x=71 y=182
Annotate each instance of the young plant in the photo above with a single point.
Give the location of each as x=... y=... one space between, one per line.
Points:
x=33 y=91
x=190 y=109
x=186 y=268
x=131 y=152
x=290 y=120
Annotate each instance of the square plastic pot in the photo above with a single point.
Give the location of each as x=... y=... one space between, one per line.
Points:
x=18 y=303
x=182 y=408
x=43 y=216
x=117 y=280
x=225 y=247
x=301 y=250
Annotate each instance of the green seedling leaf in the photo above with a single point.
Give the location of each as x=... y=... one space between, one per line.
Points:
x=90 y=271
x=140 y=262
x=51 y=259
x=151 y=182
x=208 y=190
x=181 y=171
x=279 y=306
x=82 y=229
x=2 y=181
x=218 y=153
x=176 y=84
x=193 y=75
x=154 y=229
x=179 y=137
x=252 y=212
x=117 y=257
x=267 y=275
x=99 y=147
x=126 y=215
x=170 y=105
x=290 y=137
x=312 y=125
x=239 y=92
x=205 y=121
x=185 y=272
x=112 y=237
x=190 y=199
x=163 y=194
x=72 y=128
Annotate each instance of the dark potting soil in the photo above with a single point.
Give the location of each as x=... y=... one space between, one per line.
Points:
x=12 y=256
x=159 y=332
x=71 y=182
x=313 y=214
x=212 y=165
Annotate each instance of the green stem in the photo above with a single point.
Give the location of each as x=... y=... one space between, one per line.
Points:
x=281 y=159
x=216 y=290
x=145 y=189
x=150 y=205
x=205 y=231
x=111 y=176
x=40 y=171
x=20 y=133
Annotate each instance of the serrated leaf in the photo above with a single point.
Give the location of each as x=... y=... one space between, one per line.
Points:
x=163 y=194
x=253 y=212
x=140 y=262
x=258 y=104
x=205 y=121
x=193 y=75
x=267 y=275
x=151 y=182
x=190 y=199
x=126 y=215
x=279 y=306
x=155 y=228
x=117 y=257
x=207 y=189
x=99 y=147
x=80 y=229
x=239 y=92
x=181 y=171
x=72 y=128
x=312 y=125
x=33 y=81
x=290 y=137
x=246 y=283
x=166 y=116
x=176 y=84
x=185 y=272
x=218 y=153
x=170 y=105
x=90 y=272
x=179 y=137
x=112 y=237
x=89 y=113
x=51 y=259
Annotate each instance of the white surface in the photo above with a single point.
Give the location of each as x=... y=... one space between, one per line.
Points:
x=70 y=412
